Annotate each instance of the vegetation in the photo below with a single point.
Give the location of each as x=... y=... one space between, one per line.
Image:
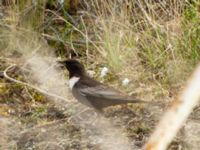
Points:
x=155 y=44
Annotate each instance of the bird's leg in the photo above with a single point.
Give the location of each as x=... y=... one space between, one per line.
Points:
x=77 y=114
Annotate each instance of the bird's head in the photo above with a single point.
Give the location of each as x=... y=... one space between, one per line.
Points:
x=74 y=67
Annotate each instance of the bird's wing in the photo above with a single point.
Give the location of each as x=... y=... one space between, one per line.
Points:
x=103 y=92
x=103 y=96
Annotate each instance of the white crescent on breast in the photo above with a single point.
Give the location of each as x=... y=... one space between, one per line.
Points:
x=73 y=81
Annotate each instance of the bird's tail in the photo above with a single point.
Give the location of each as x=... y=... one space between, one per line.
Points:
x=135 y=101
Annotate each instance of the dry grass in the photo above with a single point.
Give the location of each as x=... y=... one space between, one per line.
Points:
x=154 y=44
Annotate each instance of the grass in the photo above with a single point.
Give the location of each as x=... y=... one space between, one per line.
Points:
x=157 y=49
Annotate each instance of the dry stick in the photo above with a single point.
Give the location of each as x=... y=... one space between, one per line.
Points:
x=42 y=91
x=32 y=86
x=176 y=115
x=75 y=28
x=52 y=123
x=149 y=19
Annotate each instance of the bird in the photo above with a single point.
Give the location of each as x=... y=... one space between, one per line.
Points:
x=93 y=93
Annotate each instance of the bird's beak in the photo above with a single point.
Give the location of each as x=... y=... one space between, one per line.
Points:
x=61 y=63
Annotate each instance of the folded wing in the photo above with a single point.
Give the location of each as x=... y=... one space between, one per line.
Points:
x=103 y=96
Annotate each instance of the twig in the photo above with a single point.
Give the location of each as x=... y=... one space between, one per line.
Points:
x=176 y=115
x=56 y=122
x=31 y=86
x=43 y=125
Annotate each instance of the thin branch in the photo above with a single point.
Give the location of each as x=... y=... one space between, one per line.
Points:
x=31 y=86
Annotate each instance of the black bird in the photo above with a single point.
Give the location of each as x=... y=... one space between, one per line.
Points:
x=91 y=92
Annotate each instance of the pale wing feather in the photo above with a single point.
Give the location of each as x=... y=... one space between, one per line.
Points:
x=103 y=92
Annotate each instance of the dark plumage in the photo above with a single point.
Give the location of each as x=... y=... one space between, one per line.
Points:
x=91 y=92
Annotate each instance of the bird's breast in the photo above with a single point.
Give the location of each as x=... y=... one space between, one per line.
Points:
x=73 y=81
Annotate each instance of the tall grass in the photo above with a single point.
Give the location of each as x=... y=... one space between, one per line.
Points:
x=143 y=40
x=159 y=40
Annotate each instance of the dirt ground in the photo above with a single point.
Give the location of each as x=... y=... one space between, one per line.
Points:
x=45 y=124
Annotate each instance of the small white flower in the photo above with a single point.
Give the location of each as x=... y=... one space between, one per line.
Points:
x=91 y=73
x=169 y=46
x=61 y=2
x=104 y=71
x=125 y=82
